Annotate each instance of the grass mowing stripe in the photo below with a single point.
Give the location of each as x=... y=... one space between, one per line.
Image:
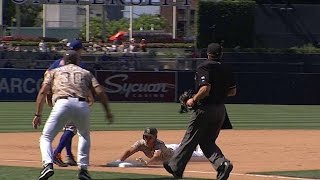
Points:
x=17 y=116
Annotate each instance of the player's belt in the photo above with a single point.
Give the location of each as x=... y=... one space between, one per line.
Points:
x=67 y=97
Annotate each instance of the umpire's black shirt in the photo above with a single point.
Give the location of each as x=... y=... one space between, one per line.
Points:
x=219 y=76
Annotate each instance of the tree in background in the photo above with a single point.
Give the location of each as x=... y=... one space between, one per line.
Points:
x=112 y=27
x=148 y=22
x=29 y=14
x=9 y=12
x=96 y=28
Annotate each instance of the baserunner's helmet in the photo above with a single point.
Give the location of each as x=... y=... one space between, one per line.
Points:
x=153 y=132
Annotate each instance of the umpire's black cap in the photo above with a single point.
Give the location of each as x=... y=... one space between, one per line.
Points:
x=150 y=132
x=71 y=57
x=214 y=48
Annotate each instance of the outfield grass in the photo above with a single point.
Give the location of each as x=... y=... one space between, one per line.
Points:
x=314 y=174
x=23 y=173
x=17 y=116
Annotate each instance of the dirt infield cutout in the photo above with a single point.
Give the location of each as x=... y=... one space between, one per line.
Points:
x=249 y=150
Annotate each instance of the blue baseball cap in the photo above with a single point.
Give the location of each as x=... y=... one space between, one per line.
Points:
x=75 y=45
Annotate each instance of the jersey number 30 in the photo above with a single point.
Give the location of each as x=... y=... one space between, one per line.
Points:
x=75 y=77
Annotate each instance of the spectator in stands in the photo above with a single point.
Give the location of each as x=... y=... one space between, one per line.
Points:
x=53 y=48
x=104 y=48
x=121 y=47
x=2 y=46
x=10 y=47
x=132 y=45
x=63 y=45
x=96 y=47
x=17 y=48
x=113 y=48
x=143 y=45
x=42 y=46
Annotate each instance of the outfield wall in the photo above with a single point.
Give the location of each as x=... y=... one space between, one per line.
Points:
x=166 y=86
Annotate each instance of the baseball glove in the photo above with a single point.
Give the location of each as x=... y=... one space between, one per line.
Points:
x=184 y=108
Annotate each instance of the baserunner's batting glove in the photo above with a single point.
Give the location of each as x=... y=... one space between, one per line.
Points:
x=141 y=160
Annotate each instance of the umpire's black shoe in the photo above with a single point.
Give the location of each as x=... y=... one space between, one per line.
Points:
x=224 y=170
x=46 y=172
x=84 y=175
x=169 y=170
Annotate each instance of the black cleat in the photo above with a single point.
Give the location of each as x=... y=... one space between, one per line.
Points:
x=46 y=172
x=169 y=170
x=84 y=175
x=224 y=170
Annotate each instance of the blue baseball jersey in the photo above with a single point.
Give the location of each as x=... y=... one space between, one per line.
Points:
x=59 y=63
x=56 y=64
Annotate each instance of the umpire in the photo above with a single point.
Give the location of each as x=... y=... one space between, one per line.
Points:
x=215 y=82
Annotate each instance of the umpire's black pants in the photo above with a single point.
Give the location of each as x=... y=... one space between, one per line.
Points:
x=203 y=129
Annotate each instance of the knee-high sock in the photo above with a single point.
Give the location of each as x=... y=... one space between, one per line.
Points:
x=63 y=141
x=69 y=144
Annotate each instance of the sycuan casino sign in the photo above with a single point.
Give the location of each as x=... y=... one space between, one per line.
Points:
x=109 y=2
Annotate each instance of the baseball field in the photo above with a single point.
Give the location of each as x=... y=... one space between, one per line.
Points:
x=267 y=142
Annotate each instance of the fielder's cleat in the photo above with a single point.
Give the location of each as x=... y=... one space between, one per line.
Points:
x=224 y=170
x=169 y=170
x=71 y=161
x=46 y=172
x=58 y=161
x=84 y=175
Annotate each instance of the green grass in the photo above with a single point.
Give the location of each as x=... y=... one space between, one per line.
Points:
x=23 y=173
x=17 y=116
x=314 y=174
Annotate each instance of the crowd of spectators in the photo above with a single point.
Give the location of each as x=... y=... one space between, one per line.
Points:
x=42 y=47
x=118 y=55
x=118 y=45
x=131 y=46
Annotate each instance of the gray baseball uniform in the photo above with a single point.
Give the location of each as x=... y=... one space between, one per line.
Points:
x=166 y=153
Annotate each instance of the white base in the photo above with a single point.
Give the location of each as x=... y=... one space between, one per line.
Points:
x=127 y=163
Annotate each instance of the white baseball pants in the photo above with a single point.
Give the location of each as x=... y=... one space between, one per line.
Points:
x=64 y=111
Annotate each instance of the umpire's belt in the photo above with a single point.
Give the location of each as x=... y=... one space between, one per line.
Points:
x=67 y=97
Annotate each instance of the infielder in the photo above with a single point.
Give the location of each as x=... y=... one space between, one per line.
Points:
x=71 y=86
x=70 y=129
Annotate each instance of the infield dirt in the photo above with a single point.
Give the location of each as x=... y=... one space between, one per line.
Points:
x=249 y=150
